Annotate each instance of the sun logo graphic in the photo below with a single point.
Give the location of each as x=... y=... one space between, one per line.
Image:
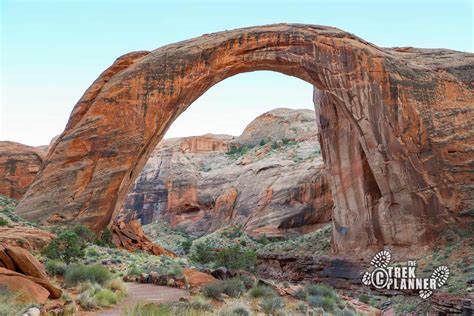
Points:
x=384 y=276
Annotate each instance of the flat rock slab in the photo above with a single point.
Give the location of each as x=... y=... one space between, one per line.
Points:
x=142 y=293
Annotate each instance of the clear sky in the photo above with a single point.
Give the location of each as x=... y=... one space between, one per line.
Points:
x=51 y=51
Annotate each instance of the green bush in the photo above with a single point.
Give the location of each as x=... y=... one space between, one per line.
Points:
x=10 y=302
x=202 y=253
x=83 y=232
x=55 y=267
x=105 y=239
x=81 y=273
x=248 y=281
x=364 y=298
x=176 y=271
x=234 y=257
x=3 y=222
x=237 y=309
x=261 y=291
x=213 y=290
x=321 y=290
x=134 y=271
x=93 y=295
x=105 y=297
x=327 y=303
x=237 y=150
x=232 y=287
x=302 y=308
x=67 y=246
x=301 y=294
x=149 y=309
x=186 y=245
x=262 y=142
x=272 y=305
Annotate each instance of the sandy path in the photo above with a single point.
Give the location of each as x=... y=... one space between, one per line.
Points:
x=142 y=293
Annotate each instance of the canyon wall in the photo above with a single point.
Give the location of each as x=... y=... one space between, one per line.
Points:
x=272 y=184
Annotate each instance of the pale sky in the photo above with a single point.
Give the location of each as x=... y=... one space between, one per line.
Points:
x=51 y=51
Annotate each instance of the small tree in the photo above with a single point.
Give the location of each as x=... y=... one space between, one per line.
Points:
x=105 y=239
x=201 y=253
x=68 y=247
x=234 y=257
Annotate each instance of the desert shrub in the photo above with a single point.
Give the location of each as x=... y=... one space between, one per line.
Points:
x=364 y=298
x=302 y=308
x=248 y=281
x=200 y=304
x=186 y=245
x=148 y=309
x=232 y=287
x=202 y=253
x=325 y=302
x=3 y=222
x=271 y=305
x=55 y=267
x=92 y=252
x=86 y=300
x=105 y=297
x=67 y=246
x=213 y=290
x=237 y=309
x=237 y=150
x=263 y=239
x=320 y=290
x=176 y=270
x=301 y=294
x=261 y=291
x=81 y=273
x=134 y=271
x=262 y=142
x=93 y=295
x=105 y=239
x=234 y=257
x=118 y=287
x=347 y=312
x=10 y=302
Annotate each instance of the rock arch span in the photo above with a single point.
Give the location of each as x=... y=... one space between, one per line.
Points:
x=391 y=122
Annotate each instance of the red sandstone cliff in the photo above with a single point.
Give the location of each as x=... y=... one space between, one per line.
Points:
x=18 y=167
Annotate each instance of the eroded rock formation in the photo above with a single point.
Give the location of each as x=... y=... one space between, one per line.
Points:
x=18 y=167
x=273 y=184
x=21 y=271
x=396 y=129
x=130 y=236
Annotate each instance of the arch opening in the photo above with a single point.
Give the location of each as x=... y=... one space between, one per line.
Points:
x=265 y=175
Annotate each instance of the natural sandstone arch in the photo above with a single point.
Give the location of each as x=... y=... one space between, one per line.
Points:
x=389 y=122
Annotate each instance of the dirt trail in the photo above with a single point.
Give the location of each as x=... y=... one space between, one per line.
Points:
x=142 y=293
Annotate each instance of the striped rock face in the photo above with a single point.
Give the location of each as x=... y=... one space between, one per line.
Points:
x=395 y=128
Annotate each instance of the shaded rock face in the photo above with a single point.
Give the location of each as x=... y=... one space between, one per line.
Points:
x=337 y=272
x=272 y=188
x=396 y=129
x=19 y=165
